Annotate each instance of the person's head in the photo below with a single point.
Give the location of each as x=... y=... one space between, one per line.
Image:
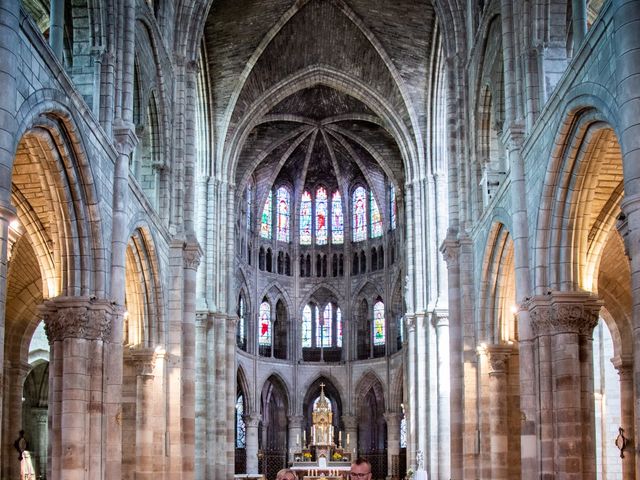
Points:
x=360 y=470
x=286 y=474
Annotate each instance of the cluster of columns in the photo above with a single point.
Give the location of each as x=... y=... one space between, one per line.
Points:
x=563 y=324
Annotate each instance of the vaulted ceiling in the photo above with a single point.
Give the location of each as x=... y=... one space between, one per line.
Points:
x=301 y=88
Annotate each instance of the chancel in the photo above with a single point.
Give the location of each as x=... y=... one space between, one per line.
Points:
x=243 y=236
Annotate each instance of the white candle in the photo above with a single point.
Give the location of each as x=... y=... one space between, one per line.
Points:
x=347 y=438
x=340 y=436
x=297 y=439
x=304 y=437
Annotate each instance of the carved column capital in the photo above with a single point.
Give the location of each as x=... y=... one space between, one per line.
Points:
x=252 y=421
x=392 y=419
x=450 y=250
x=191 y=255
x=295 y=421
x=497 y=356
x=350 y=421
x=410 y=322
x=144 y=359
x=78 y=317
x=564 y=312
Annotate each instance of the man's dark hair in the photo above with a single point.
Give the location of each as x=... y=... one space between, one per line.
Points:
x=362 y=461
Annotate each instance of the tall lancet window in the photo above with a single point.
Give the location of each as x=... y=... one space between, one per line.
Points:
x=376 y=219
x=241 y=333
x=338 y=327
x=321 y=216
x=264 y=335
x=393 y=207
x=306 y=327
x=305 y=219
x=337 y=219
x=378 y=323
x=323 y=327
x=240 y=425
x=265 y=224
x=359 y=209
x=283 y=214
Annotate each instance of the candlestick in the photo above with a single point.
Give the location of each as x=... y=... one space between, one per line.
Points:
x=297 y=439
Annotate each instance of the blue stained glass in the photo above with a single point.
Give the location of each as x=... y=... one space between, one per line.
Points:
x=378 y=323
x=376 y=219
x=337 y=219
x=265 y=225
x=305 y=219
x=306 y=327
x=359 y=214
x=393 y=207
x=283 y=214
x=249 y=209
x=241 y=429
x=321 y=216
x=264 y=336
x=323 y=327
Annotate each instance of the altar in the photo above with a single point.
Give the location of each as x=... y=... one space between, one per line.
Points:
x=321 y=458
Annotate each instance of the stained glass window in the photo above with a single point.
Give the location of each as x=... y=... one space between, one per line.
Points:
x=241 y=430
x=359 y=214
x=376 y=219
x=265 y=225
x=305 y=219
x=306 y=327
x=403 y=432
x=338 y=327
x=240 y=333
x=323 y=327
x=321 y=216
x=264 y=337
x=249 y=192
x=378 y=323
x=283 y=214
x=393 y=207
x=337 y=219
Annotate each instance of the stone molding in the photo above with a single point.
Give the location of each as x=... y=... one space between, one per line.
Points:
x=440 y=319
x=191 y=256
x=450 y=250
x=77 y=317
x=125 y=137
x=392 y=419
x=497 y=357
x=350 y=422
x=144 y=359
x=295 y=421
x=564 y=312
x=410 y=322
x=252 y=420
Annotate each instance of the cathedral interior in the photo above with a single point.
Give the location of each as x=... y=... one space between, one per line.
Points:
x=243 y=235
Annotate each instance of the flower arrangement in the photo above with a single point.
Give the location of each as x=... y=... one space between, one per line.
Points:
x=409 y=475
x=336 y=456
x=306 y=456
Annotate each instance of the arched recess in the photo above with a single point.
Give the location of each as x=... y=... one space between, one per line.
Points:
x=497 y=322
x=243 y=411
x=372 y=429
x=579 y=247
x=144 y=325
x=55 y=248
x=332 y=394
x=273 y=429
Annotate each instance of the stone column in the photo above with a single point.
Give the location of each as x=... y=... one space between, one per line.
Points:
x=451 y=252
x=251 y=423
x=295 y=435
x=563 y=323
x=41 y=441
x=441 y=323
x=144 y=360
x=77 y=328
x=624 y=365
x=13 y=388
x=393 y=445
x=350 y=434
x=497 y=356
x=579 y=23
x=192 y=254
x=9 y=38
x=211 y=426
x=411 y=400
x=56 y=27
